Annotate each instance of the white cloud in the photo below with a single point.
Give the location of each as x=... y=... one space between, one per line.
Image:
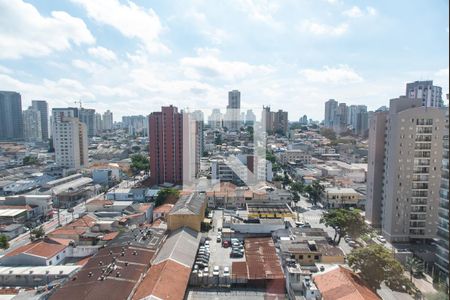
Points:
x=342 y=74
x=25 y=32
x=371 y=11
x=129 y=19
x=102 y=53
x=208 y=65
x=356 y=12
x=87 y=66
x=110 y=91
x=259 y=10
x=320 y=29
x=216 y=35
x=62 y=92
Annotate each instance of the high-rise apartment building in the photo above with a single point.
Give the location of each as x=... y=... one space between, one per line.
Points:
x=233 y=115
x=108 y=121
x=166 y=146
x=404 y=170
x=250 y=118
x=340 y=118
x=215 y=119
x=430 y=94
x=87 y=116
x=442 y=231
x=11 y=122
x=42 y=107
x=303 y=120
x=32 y=125
x=136 y=125
x=281 y=122
x=330 y=112
x=70 y=139
x=98 y=124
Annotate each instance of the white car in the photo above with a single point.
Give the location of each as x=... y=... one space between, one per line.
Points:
x=226 y=271
x=381 y=239
x=206 y=271
x=216 y=271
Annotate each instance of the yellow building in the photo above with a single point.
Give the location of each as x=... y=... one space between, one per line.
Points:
x=189 y=211
x=341 y=197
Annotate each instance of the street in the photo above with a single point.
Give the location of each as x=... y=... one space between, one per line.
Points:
x=312 y=215
x=65 y=217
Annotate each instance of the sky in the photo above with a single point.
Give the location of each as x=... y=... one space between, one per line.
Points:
x=133 y=56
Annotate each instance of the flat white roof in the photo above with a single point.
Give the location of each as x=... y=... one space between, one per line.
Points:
x=341 y=190
x=11 y=212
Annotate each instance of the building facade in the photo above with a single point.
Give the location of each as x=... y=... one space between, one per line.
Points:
x=32 y=127
x=11 y=122
x=411 y=171
x=42 y=107
x=87 y=116
x=108 y=121
x=430 y=94
x=70 y=139
x=330 y=113
x=166 y=146
x=233 y=115
x=442 y=232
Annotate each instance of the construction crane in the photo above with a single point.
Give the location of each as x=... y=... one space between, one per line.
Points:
x=79 y=102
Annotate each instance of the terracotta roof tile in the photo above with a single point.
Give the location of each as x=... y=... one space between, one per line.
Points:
x=343 y=284
x=38 y=248
x=167 y=280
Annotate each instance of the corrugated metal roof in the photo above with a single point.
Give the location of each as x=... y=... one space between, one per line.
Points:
x=189 y=204
x=181 y=246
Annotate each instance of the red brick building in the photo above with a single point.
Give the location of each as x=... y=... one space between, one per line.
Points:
x=166 y=146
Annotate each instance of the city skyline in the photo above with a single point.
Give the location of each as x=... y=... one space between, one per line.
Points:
x=69 y=51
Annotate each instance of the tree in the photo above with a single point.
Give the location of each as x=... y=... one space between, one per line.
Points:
x=270 y=157
x=414 y=266
x=218 y=139
x=344 y=222
x=30 y=160
x=314 y=191
x=376 y=264
x=37 y=233
x=286 y=180
x=139 y=163
x=166 y=194
x=277 y=178
x=328 y=133
x=297 y=186
x=4 y=244
x=136 y=148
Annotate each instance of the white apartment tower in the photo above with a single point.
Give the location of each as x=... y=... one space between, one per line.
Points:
x=108 y=120
x=32 y=127
x=70 y=140
x=404 y=170
x=430 y=94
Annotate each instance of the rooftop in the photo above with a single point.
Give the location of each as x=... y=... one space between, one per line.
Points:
x=111 y=274
x=190 y=204
x=40 y=248
x=342 y=283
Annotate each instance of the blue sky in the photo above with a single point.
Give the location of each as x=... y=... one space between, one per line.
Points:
x=134 y=56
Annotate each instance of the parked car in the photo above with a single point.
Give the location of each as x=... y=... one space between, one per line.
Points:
x=235 y=254
x=226 y=244
x=352 y=244
x=206 y=271
x=299 y=224
x=381 y=239
x=322 y=268
x=216 y=271
x=226 y=271
x=218 y=239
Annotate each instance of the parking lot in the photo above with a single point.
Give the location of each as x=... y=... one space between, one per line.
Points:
x=218 y=255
